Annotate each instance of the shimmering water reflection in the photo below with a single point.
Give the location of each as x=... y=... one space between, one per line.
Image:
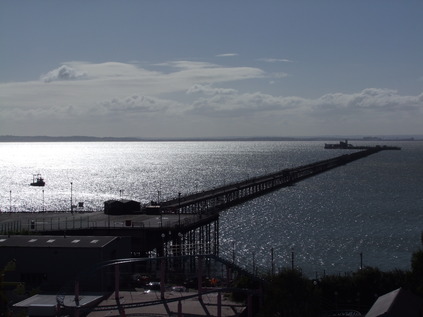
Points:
x=373 y=205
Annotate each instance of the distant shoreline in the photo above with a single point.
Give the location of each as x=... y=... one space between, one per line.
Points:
x=12 y=138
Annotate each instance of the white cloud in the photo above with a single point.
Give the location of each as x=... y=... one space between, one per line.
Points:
x=188 y=95
x=64 y=72
x=227 y=55
x=134 y=105
x=379 y=107
x=246 y=104
x=112 y=70
x=208 y=90
x=188 y=64
x=275 y=60
x=370 y=99
x=105 y=81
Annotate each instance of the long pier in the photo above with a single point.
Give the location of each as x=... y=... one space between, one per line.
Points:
x=217 y=199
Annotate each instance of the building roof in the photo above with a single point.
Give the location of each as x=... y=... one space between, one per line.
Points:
x=25 y=241
x=48 y=300
x=397 y=303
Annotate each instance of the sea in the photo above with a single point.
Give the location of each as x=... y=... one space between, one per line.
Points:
x=366 y=213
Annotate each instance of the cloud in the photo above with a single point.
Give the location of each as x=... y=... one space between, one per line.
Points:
x=134 y=104
x=64 y=72
x=245 y=105
x=105 y=81
x=203 y=72
x=370 y=99
x=369 y=102
x=208 y=90
x=188 y=65
x=112 y=70
x=189 y=95
x=275 y=60
x=227 y=55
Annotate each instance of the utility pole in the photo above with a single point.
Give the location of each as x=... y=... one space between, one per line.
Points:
x=179 y=208
x=71 y=199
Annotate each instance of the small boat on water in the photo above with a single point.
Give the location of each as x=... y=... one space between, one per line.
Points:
x=37 y=180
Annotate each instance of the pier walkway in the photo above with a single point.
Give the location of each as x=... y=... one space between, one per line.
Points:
x=215 y=200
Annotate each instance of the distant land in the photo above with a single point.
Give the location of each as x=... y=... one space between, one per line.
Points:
x=13 y=138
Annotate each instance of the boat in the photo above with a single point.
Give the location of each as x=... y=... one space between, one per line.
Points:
x=37 y=180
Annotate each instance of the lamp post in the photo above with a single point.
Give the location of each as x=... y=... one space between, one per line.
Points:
x=179 y=208
x=71 y=199
x=163 y=244
x=180 y=235
x=43 y=201
x=10 y=201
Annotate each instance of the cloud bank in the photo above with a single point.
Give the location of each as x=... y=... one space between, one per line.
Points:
x=186 y=98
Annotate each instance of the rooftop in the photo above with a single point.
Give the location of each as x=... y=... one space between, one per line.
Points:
x=55 y=241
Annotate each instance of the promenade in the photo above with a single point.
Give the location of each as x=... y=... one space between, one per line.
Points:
x=67 y=221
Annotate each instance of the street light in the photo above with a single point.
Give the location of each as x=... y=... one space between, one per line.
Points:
x=163 y=245
x=71 y=200
x=179 y=208
x=180 y=235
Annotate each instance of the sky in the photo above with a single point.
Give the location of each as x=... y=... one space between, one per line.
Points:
x=193 y=69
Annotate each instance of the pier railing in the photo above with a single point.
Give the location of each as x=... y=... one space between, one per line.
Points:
x=60 y=222
x=223 y=197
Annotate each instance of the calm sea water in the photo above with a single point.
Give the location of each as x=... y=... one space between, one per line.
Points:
x=373 y=206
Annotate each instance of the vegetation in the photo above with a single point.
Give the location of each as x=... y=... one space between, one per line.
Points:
x=291 y=294
x=417 y=271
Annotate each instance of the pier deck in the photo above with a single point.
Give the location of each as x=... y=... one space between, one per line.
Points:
x=226 y=196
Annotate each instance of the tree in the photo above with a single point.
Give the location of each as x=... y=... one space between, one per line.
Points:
x=417 y=271
x=289 y=293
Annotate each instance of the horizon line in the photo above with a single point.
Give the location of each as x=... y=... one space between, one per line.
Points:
x=82 y=138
